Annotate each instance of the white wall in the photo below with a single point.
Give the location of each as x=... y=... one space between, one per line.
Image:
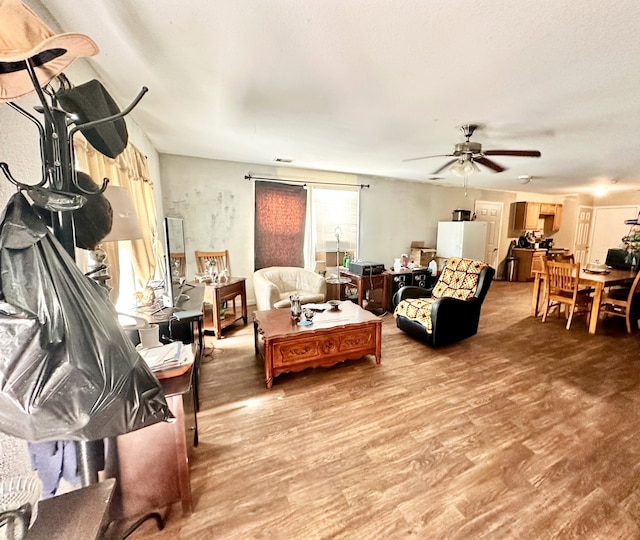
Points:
x=216 y=203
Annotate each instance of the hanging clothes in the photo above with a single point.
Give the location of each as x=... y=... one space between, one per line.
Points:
x=67 y=370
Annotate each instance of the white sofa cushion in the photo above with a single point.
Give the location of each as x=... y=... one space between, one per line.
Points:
x=275 y=284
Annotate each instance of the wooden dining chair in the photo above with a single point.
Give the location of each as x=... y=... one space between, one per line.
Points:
x=619 y=301
x=562 y=287
x=221 y=259
x=561 y=257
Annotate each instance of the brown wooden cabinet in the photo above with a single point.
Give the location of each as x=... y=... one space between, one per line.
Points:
x=153 y=462
x=527 y=216
x=557 y=218
x=529 y=260
x=547 y=209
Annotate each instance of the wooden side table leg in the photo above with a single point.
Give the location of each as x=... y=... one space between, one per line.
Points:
x=243 y=301
x=217 y=323
x=255 y=337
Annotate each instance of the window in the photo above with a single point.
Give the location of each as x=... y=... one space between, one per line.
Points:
x=333 y=211
x=304 y=220
x=279 y=237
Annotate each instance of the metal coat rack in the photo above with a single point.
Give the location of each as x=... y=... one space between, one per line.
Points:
x=58 y=176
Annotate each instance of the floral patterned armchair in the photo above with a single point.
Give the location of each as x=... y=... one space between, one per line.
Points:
x=450 y=311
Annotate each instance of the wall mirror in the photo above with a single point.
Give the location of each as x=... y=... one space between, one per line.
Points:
x=174 y=260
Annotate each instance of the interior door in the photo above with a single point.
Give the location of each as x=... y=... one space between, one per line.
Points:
x=491 y=212
x=608 y=229
x=583 y=230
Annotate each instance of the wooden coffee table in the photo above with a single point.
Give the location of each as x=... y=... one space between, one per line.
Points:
x=334 y=336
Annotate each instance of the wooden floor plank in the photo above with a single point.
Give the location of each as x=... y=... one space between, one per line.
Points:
x=525 y=430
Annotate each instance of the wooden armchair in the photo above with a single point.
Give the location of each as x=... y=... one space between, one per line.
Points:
x=620 y=302
x=221 y=259
x=450 y=311
x=562 y=287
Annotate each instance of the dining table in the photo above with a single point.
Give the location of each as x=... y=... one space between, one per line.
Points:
x=596 y=280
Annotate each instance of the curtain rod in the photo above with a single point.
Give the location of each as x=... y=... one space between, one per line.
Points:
x=305 y=182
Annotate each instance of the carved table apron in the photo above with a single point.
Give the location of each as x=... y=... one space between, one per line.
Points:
x=335 y=335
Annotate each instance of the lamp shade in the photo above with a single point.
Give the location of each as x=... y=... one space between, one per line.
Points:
x=125 y=220
x=464 y=167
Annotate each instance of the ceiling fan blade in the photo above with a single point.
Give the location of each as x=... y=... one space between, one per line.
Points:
x=488 y=163
x=427 y=157
x=447 y=164
x=520 y=153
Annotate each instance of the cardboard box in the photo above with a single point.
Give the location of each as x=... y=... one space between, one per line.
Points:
x=421 y=255
x=329 y=257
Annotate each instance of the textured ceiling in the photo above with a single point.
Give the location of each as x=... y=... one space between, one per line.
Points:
x=359 y=85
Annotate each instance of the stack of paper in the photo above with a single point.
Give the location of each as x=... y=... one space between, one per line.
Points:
x=167 y=356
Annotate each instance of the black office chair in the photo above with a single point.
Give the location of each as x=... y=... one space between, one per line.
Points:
x=618 y=258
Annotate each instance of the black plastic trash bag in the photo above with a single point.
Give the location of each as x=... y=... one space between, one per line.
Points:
x=67 y=370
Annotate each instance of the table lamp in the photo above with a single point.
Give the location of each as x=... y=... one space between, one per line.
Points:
x=125 y=226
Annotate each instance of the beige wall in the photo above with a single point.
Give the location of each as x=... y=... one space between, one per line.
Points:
x=216 y=203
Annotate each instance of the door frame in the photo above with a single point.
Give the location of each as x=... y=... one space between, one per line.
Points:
x=496 y=260
x=574 y=249
x=594 y=217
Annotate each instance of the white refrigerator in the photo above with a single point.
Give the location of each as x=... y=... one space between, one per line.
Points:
x=466 y=239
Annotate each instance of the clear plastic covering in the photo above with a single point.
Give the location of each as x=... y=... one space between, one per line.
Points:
x=67 y=370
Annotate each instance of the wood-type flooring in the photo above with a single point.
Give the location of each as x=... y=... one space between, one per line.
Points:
x=526 y=430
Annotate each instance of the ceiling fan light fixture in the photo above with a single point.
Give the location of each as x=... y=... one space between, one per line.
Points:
x=464 y=167
x=524 y=179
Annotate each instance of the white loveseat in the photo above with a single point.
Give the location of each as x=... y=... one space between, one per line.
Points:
x=274 y=285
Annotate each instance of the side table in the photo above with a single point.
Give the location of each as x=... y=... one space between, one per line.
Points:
x=152 y=464
x=369 y=282
x=226 y=293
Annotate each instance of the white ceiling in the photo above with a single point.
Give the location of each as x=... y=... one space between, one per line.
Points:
x=359 y=85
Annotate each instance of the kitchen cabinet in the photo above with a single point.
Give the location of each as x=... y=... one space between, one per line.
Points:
x=529 y=260
x=552 y=217
x=547 y=209
x=557 y=218
x=527 y=216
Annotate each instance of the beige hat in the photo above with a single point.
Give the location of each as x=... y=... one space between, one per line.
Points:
x=24 y=35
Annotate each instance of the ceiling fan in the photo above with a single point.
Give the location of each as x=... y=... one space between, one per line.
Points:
x=467 y=154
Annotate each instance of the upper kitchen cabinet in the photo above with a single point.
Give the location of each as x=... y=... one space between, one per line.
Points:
x=526 y=216
x=556 y=219
x=534 y=216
